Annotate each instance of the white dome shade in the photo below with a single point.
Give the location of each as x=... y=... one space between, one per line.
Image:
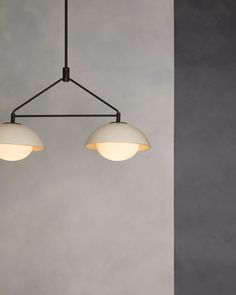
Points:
x=117 y=141
x=18 y=141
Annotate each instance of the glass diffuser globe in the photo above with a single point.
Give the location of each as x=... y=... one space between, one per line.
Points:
x=13 y=152
x=117 y=151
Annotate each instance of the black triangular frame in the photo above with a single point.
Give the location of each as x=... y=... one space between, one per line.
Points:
x=66 y=78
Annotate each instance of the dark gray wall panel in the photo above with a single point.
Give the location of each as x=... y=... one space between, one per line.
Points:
x=205 y=146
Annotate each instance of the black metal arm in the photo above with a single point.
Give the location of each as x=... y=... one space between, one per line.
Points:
x=94 y=95
x=13 y=115
x=65 y=116
x=66 y=78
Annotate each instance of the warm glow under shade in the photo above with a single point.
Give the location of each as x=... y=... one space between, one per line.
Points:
x=117 y=141
x=17 y=142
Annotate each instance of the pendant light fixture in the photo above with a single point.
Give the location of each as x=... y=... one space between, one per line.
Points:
x=116 y=141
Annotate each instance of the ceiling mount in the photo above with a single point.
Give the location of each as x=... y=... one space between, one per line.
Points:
x=115 y=142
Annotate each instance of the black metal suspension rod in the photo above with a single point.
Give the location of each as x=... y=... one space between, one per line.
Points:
x=66 y=33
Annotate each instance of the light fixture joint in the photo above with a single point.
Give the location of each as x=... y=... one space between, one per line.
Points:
x=118 y=117
x=13 y=118
x=66 y=74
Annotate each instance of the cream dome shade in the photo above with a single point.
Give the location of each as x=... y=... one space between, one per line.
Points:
x=118 y=141
x=18 y=141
